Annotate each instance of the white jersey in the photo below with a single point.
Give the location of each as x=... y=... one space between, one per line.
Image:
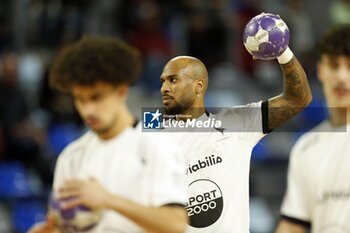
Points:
x=318 y=192
x=217 y=170
x=131 y=165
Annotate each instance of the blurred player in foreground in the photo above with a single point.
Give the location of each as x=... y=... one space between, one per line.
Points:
x=218 y=160
x=318 y=192
x=136 y=180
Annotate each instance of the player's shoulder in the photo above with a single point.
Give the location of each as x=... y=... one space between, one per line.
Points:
x=309 y=139
x=160 y=140
x=155 y=139
x=78 y=144
x=159 y=146
x=248 y=105
x=144 y=137
x=238 y=109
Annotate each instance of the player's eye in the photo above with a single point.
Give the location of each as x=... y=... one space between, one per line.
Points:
x=333 y=65
x=96 y=97
x=173 y=80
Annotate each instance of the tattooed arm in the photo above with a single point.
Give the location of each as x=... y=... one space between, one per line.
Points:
x=295 y=97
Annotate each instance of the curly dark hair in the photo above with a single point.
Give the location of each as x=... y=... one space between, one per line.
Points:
x=95 y=59
x=336 y=41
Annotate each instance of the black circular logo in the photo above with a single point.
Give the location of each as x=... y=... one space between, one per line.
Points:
x=205 y=203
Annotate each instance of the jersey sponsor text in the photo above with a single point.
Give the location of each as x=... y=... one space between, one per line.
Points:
x=201 y=164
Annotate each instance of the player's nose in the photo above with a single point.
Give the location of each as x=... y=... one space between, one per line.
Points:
x=164 y=88
x=343 y=74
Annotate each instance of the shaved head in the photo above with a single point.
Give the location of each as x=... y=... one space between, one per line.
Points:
x=190 y=67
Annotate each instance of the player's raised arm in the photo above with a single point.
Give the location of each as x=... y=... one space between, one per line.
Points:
x=295 y=97
x=266 y=37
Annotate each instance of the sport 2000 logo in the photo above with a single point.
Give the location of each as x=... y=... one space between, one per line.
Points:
x=205 y=203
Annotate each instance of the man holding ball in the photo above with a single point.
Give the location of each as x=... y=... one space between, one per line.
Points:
x=218 y=159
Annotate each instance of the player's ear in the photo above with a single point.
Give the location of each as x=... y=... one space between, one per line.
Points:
x=199 y=86
x=123 y=90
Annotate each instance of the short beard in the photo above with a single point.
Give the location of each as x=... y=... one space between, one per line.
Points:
x=178 y=109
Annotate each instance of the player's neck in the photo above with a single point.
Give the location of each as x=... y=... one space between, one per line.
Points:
x=125 y=120
x=340 y=116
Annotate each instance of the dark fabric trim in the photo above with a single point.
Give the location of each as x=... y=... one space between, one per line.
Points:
x=297 y=221
x=174 y=205
x=135 y=123
x=207 y=112
x=265 y=116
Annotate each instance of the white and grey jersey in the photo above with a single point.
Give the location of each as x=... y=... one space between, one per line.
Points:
x=318 y=190
x=217 y=169
x=142 y=168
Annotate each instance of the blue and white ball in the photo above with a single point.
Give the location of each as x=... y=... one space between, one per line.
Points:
x=78 y=219
x=266 y=36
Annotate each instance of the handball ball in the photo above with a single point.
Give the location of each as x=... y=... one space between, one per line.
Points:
x=78 y=219
x=266 y=36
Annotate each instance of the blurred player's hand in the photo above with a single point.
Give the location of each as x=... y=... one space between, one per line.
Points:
x=89 y=193
x=44 y=227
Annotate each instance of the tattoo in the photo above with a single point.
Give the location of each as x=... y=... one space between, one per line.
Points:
x=295 y=97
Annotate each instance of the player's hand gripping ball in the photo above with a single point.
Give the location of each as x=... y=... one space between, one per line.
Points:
x=266 y=36
x=78 y=219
